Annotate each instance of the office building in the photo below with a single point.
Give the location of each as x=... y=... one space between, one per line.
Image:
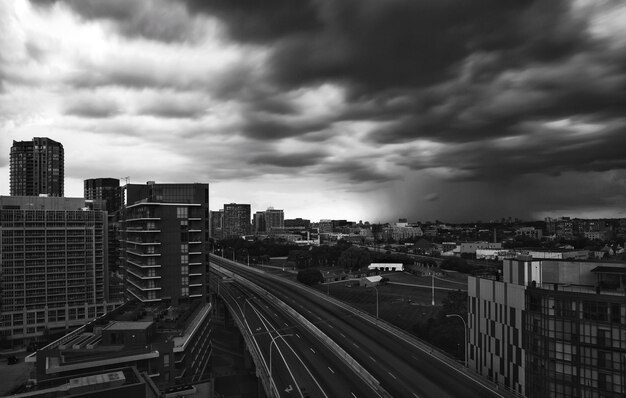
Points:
x=297 y=222
x=164 y=229
x=551 y=328
x=54 y=266
x=171 y=344
x=236 y=220
x=36 y=168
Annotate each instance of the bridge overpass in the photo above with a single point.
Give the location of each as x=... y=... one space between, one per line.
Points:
x=306 y=344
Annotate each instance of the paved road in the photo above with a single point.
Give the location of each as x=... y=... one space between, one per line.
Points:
x=301 y=366
x=404 y=368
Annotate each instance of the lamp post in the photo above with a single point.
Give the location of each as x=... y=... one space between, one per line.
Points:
x=376 y=288
x=465 y=332
x=272 y=342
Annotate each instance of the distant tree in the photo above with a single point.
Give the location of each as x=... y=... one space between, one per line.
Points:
x=355 y=258
x=310 y=276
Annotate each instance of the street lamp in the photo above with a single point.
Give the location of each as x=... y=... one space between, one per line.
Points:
x=272 y=342
x=376 y=288
x=465 y=332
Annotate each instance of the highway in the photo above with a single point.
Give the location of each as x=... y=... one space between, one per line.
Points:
x=301 y=366
x=404 y=367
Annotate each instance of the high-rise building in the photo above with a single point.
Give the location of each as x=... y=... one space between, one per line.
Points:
x=236 y=220
x=104 y=189
x=274 y=219
x=258 y=222
x=216 y=220
x=54 y=266
x=36 y=167
x=164 y=230
x=551 y=328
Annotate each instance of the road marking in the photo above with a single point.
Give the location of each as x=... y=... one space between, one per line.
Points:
x=354 y=395
x=331 y=370
x=298 y=336
x=391 y=374
x=331 y=326
x=289 y=389
x=342 y=335
x=415 y=395
x=356 y=345
x=372 y=358
x=286 y=324
x=312 y=350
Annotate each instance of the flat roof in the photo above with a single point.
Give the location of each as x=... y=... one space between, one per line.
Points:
x=129 y=325
x=609 y=270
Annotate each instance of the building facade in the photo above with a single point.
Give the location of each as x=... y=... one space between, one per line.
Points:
x=37 y=167
x=567 y=321
x=216 y=222
x=164 y=245
x=54 y=266
x=236 y=220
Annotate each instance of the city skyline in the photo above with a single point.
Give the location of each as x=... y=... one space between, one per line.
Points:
x=334 y=110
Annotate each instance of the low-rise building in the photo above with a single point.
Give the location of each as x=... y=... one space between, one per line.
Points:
x=171 y=344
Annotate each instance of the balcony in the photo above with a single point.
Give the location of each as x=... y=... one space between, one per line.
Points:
x=143 y=265
x=142 y=254
x=143 y=276
x=143 y=289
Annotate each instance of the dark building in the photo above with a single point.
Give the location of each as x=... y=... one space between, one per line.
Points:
x=106 y=194
x=164 y=241
x=104 y=189
x=36 y=167
x=236 y=220
x=297 y=222
x=216 y=223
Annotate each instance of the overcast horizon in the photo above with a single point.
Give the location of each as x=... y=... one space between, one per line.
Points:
x=330 y=109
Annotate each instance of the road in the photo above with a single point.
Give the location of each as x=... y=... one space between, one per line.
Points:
x=301 y=366
x=404 y=367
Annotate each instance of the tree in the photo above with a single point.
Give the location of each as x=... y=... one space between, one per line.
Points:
x=310 y=276
x=355 y=258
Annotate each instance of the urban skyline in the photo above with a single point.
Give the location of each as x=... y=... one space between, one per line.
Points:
x=456 y=112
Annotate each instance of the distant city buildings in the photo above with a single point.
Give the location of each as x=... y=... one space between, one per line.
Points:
x=36 y=167
x=551 y=328
x=54 y=266
x=164 y=229
x=216 y=224
x=236 y=220
x=269 y=221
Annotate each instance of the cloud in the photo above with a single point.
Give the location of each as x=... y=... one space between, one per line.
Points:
x=291 y=160
x=92 y=106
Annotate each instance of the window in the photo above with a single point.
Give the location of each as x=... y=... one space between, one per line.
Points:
x=184 y=291
x=184 y=269
x=184 y=258
x=181 y=212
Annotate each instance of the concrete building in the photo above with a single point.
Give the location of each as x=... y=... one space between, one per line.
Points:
x=54 y=266
x=529 y=232
x=297 y=222
x=165 y=241
x=236 y=220
x=551 y=328
x=386 y=267
x=171 y=344
x=37 y=167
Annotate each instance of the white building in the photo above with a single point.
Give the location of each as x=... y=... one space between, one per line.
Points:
x=386 y=267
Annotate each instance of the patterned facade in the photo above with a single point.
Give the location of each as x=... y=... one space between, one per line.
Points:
x=54 y=265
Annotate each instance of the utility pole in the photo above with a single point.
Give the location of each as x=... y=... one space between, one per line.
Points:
x=432 y=274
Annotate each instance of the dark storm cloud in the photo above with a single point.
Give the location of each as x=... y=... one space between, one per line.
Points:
x=92 y=107
x=292 y=160
x=264 y=127
x=356 y=171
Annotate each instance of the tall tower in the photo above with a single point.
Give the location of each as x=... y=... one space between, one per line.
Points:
x=37 y=167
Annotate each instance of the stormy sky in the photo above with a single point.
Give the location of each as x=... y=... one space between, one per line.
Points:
x=361 y=109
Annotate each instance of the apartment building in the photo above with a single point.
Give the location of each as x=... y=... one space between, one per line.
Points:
x=164 y=229
x=37 y=167
x=54 y=266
